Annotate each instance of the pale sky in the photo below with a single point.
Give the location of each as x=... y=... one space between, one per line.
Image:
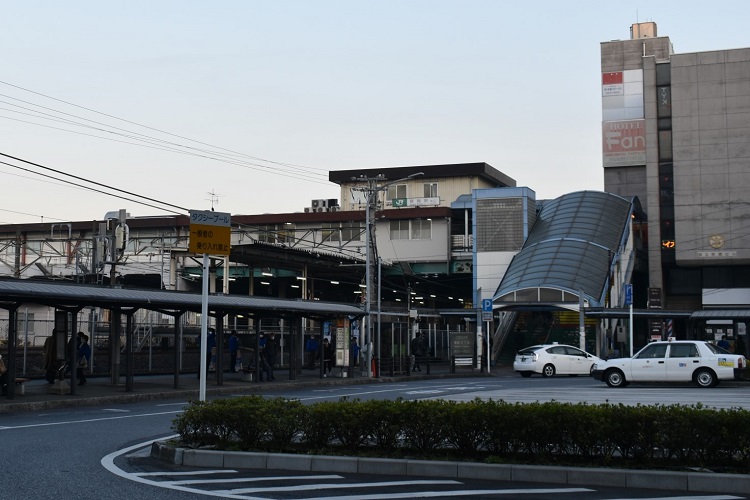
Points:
x=283 y=91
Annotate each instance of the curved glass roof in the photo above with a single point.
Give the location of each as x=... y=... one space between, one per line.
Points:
x=570 y=250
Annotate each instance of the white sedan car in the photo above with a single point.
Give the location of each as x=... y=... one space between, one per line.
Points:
x=673 y=361
x=554 y=359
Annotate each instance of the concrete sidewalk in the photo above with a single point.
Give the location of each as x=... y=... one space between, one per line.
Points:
x=38 y=396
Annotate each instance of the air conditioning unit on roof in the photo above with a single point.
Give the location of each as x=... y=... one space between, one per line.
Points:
x=315 y=203
x=308 y=210
x=335 y=209
x=320 y=203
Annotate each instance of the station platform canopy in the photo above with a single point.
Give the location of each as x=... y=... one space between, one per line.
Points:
x=569 y=253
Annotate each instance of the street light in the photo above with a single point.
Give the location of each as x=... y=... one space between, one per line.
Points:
x=371 y=201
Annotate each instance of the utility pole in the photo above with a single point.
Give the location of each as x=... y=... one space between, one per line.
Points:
x=371 y=202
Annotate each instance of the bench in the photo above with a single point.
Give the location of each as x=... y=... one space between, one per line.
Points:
x=20 y=384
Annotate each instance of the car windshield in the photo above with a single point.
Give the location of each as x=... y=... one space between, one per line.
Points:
x=716 y=349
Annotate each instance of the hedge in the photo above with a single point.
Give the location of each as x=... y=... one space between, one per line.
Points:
x=480 y=430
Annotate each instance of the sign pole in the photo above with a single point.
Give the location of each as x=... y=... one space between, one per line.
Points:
x=210 y=233
x=204 y=330
x=488 y=348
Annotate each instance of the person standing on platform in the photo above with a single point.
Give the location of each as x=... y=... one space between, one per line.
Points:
x=234 y=345
x=84 y=358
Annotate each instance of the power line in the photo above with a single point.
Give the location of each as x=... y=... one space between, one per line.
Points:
x=291 y=165
x=93 y=189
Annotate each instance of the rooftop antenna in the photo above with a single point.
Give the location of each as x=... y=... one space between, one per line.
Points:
x=214 y=199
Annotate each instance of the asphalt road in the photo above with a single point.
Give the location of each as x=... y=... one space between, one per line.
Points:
x=100 y=452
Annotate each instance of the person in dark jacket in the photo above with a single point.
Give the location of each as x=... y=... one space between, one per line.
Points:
x=234 y=344
x=269 y=353
x=84 y=359
x=417 y=351
x=328 y=354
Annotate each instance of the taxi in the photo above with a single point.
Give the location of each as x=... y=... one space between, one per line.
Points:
x=697 y=361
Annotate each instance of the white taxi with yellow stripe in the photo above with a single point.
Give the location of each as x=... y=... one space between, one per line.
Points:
x=673 y=361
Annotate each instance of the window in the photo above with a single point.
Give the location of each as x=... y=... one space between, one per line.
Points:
x=683 y=351
x=572 y=351
x=421 y=229
x=430 y=190
x=344 y=231
x=396 y=191
x=331 y=232
x=399 y=229
x=415 y=230
x=351 y=231
x=653 y=351
x=276 y=233
x=287 y=234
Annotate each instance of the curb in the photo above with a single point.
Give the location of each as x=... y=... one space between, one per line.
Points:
x=705 y=482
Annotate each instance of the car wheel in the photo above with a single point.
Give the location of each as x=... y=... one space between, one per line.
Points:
x=525 y=374
x=705 y=378
x=614 y=378
x=548 y=370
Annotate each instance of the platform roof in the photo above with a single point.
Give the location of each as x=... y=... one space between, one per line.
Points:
x=70 y=295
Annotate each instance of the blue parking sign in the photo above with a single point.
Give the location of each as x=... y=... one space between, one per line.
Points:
x=487 y=305
x=628 y=294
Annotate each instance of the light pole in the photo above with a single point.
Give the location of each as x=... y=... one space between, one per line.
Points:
x=371 y=198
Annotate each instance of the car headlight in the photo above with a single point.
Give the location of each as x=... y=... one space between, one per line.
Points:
x=594 y=367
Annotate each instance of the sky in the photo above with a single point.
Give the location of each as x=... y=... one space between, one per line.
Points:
x=245 y=106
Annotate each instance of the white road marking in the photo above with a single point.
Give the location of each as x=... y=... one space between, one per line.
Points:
x=324 y=486
x=115 y=410
x=67 y=422
x=108 y=463
x=190 y=473
x=251 y=479
x=391 y=389
x=458 y=493
x=696 y=497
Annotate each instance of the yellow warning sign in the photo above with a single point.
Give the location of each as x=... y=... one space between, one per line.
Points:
x=210 y=232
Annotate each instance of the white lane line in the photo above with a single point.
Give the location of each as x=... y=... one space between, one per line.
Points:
x=394 y=389
x=108 y=463
x=115 y=410
x=251 y=479
x=458 y=493
x=185 y=403
x=695 y=497
x=66 y=422
x=332 y=486
x=191 y=473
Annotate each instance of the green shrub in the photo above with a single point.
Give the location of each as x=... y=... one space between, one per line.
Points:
x=645 y=436
x=285 y=423
x=385 y=421
x=317 y=429
x=424 y=424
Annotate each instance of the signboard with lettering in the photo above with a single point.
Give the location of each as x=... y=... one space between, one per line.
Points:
x=624 y=143
x=210 y=232
x=462 y=345
x=414 y=202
